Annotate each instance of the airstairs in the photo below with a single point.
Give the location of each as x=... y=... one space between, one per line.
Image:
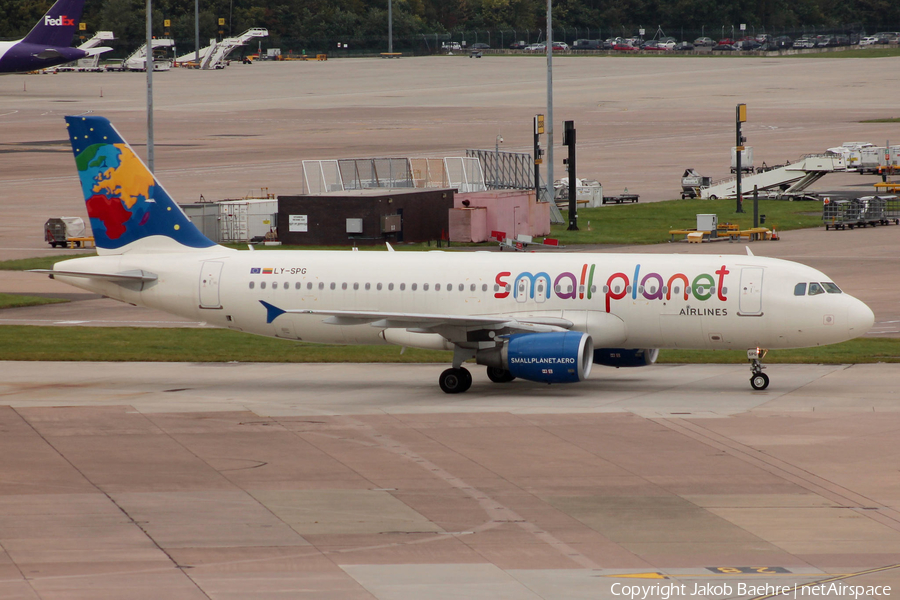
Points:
x=214 y=56
x=92 y=61
x=785 y=180
x=137 y=61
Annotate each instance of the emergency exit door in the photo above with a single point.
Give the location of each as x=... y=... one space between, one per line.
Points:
x=210 y=273
x=750 y=304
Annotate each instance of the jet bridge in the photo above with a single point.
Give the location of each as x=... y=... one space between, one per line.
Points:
x=214 y=56
x=787 y=179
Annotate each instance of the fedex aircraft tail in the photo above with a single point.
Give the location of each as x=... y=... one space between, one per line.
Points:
x=129 y=210
x=57 y=27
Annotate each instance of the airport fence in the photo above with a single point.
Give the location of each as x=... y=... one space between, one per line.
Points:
x=501 y=39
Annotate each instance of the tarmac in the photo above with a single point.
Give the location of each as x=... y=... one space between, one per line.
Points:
x=245 y=480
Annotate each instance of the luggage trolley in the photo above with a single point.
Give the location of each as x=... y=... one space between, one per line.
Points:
x=840 y=214
x=871 y=211
x=891 y=209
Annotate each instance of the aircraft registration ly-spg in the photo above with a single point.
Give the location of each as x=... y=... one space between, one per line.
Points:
x=539 y=317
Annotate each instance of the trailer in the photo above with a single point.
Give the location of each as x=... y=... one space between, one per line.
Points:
x=67 y=231
x=692 y=182
x=840 y=214
x=861 y=212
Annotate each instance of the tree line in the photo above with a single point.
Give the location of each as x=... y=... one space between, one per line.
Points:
x=319 y=24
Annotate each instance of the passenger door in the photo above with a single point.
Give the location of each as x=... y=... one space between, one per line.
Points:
x=750 y=304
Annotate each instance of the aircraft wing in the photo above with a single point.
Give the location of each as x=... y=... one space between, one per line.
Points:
x=426 y=322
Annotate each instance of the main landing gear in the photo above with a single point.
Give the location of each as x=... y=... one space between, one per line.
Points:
x=498 y=375
x=455 y=380
x=758 y=379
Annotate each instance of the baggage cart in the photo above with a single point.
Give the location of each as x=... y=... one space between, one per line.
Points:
x=840 y=214
x=892 y=209
x=871 y=211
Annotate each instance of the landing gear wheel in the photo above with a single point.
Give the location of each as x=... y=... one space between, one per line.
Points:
x=498 y=375
x=760 y=381
x=455 y=381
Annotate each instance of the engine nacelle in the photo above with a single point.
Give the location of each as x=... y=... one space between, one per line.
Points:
x=625 y=357
x=554 y=357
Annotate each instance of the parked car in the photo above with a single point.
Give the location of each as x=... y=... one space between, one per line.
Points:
x=536 y=48
x=704 y=41
x=683 y=46
x=805 y=42
x=652 y=46
x=725 y=48
x=747 y=45
x=518 y=45
x=560 y=47
x=624 y=46
x=725 y=42
x=588 y=45
x=782 y=42
x=868 y=41
x=480 y=46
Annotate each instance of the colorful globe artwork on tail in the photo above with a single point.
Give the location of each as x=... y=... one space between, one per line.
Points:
x=124 y=201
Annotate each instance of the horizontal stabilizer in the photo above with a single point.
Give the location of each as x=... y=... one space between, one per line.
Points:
x=48 y=54
x=137 y=275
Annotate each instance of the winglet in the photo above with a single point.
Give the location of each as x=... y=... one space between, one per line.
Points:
x=389 y=247
x=272 y=312
x=749 y=251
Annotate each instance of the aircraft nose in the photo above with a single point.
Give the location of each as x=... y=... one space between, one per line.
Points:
x=860 y=317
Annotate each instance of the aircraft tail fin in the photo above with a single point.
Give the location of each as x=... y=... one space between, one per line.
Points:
x=57 y=27
x=129 y=210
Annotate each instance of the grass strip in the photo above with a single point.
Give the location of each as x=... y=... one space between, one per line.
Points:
x=132 y=344
x=891 y=120
x=650 y=223
x=41 y=262
x=18 y=301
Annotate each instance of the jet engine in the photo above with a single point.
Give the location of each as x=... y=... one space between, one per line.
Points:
x=625 y=357
x=553 y=357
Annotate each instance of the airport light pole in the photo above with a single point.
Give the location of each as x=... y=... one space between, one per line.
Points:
x=148 y=64
x=569 y=140
x=740 y=116
x=390 y=26
x=197 y=31
x=549 y=125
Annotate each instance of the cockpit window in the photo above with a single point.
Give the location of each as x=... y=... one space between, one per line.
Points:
x=800 y=289
x=815 y=289
x=831 y=288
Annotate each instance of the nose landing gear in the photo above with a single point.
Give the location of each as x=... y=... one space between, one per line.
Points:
x=758 y=379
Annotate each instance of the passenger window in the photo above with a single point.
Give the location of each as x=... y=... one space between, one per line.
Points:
x=413 y=287
x=355 y=286
x=402 y=286
x=368 y=286
x=262 y=285
x=424 y=287
x=332 y=285
x=483 y=287
x=378 y=287
x=437 y=287
x=344 y=286
x=252 y=285
x=800 y=289
x=391 y=287
x=321 y=285
x=309 y=285
x=298 y=285
x=831 y=288
x=815 y=289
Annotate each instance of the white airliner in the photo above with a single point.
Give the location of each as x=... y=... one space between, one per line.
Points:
x=539 y=317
